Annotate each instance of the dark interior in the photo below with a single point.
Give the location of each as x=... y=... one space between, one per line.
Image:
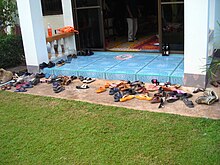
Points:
x=115 y=24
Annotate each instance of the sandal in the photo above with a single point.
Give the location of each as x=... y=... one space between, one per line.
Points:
x=88 y=80
x=188 y=103
x=101 y=89
x=143 y=97
x=196 y=90
x=83 y=86
x=155 y=100
x=172 y=99
x=126 y=98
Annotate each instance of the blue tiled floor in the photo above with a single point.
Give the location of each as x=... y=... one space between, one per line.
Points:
x=142 y=66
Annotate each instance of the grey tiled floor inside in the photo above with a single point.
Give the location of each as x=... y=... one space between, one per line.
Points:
x=125 y=66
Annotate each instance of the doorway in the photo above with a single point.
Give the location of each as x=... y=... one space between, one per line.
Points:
x=89 y=21
x=116 y=27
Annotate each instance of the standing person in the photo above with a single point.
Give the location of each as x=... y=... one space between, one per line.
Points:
x=132 y=13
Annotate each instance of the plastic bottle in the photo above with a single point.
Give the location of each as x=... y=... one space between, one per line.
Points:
x=49 y=30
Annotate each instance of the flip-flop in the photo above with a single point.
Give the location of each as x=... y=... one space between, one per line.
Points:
x=101 y=89
x=172 y=99
x=126 y=98
x=196 y=90
x=188 y=103
x=88 y=80
x=83 y=86
x=143 y=97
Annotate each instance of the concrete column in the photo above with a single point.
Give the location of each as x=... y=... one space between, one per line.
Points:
x=33 y=34
x=68 y=21
x=196 y=30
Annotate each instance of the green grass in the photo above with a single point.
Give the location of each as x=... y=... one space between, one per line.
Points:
x=43 y=130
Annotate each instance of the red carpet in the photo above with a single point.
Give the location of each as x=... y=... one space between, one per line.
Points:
x=148 y=44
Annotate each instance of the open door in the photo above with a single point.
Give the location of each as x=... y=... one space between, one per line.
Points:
x=88 y=20
x=171 y=24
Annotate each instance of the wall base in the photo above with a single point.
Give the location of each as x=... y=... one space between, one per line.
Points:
x=195 y=80
x=32 y=69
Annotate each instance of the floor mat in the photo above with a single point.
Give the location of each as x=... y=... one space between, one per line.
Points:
x=142 y=44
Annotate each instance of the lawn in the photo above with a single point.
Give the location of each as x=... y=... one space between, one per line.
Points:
x=43 y=130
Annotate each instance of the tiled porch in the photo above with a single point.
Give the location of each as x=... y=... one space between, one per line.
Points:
x=142 y=66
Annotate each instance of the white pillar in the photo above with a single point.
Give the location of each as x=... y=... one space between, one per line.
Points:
x=68 y=21
x=196 y=29
x=33 y=34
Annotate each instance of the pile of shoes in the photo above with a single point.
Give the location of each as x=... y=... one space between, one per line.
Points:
x=163 y=92
x=21 y=81
x=85 y=52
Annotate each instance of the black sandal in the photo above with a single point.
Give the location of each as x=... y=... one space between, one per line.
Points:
x=188 y=103
x=83 y=86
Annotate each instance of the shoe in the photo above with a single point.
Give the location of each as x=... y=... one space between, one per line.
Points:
x=126 y=98
x=101 y=89
x=155 y=100
x=117 y=96
x=143 y=97
x=40 y=75
x=88 y=80
x=43 y=65
x=51 y=64
x=188 y=103
x=114 y=90
x=196 y=90
x=21 y=89
x=206 y=100
x=83 y=86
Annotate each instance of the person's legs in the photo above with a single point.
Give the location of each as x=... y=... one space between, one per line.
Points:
x=135 y=28
x=130 y=29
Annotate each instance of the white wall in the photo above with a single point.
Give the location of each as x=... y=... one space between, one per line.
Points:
x=211 y=14
x=217 y=27
x=196 y=28
x=56 y=21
